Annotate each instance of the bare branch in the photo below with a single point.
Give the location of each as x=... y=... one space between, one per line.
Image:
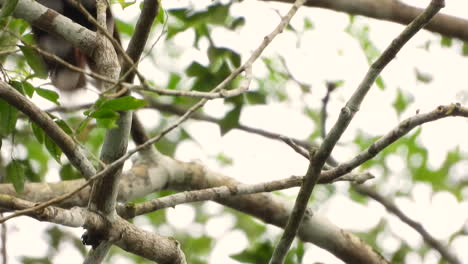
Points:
x=318 y=157
x=392 y=208
x=403 y=128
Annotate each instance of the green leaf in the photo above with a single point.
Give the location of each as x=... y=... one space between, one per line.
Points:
x=259 y=252
x=48 y=94
x=38 y=132
x=308 y=24
x=35 y=62
x=255 y=98
x=82 y=126
x=67 y=172
x=124 y=103
x=124 y=28
x=53 y=149
x=465 y=49
x=446 y=41
x=380 y=83
x=8 y=118
x=173 y=81
x=161 y=16
x=64 y=126
x=231 y=120
x=402 y=101
x=8 y=8
x=106 y=123
x=15 y=175
x=124 y=4
x=104 y=113
x=28 y=88
x=17 y=85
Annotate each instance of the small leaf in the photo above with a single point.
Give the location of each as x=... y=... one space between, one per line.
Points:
x=402 y=101
x=53 y=149
x=8 y=8
x=106 y=123
x=82 y=126
x=64 y=126
x=17 y=85
x=104 y=113
x=67 y=172
x=28 y=88
x=465 y=49
x=34 y=61
x=380 y=83
x=15 y=175
x=38 y=132
x=8 y=118
x=446 y=41
x=124 y=103
x=48 y=94
x=231 y=120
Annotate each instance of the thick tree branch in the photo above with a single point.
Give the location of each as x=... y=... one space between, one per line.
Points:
x=318 y=157
x=120 y=232
x=394 y=11
x=72 y=150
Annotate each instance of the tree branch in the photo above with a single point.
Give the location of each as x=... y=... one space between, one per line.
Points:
x=318 y=157
x=392 y=208
x=73 y=152
x=394 y=11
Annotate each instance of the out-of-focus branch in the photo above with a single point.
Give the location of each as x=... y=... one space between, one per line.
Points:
x=403 y=128
x=392 y=208
x=394 y=11
x=318 y=157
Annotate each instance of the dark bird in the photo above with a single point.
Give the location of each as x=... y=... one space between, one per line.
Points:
x=62 y=77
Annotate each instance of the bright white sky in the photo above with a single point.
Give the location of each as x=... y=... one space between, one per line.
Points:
x=257 y=159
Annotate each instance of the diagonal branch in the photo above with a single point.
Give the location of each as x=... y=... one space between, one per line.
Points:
x=72 y=150
x=318 y=157
x=392 y=208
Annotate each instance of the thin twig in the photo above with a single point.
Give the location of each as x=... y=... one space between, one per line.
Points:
x=331 y=86
x=318 y=157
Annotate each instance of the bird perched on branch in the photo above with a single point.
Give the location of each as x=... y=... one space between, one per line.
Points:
x=62 y=77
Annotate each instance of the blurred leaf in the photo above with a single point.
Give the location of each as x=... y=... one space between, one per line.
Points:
x=8 y=8
x=231 y=120
x=124 y=4
x=308 y=24
x=223 y=159
x=259 y=252
x=465 y=48
x=104 y=114
x=380 y=83
x=15 y=175
x=67 y=172
x=8 y=118
x=173 y=81
x=28 y=88
x=124 y=103
x=38 y=132
x=423 y=77
x=446 y=41
x=124 y=28
x=48 y=94
x=402 y=102
x=255 y=98
x=34 y=61
x=64 y=126
x=53 y=149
